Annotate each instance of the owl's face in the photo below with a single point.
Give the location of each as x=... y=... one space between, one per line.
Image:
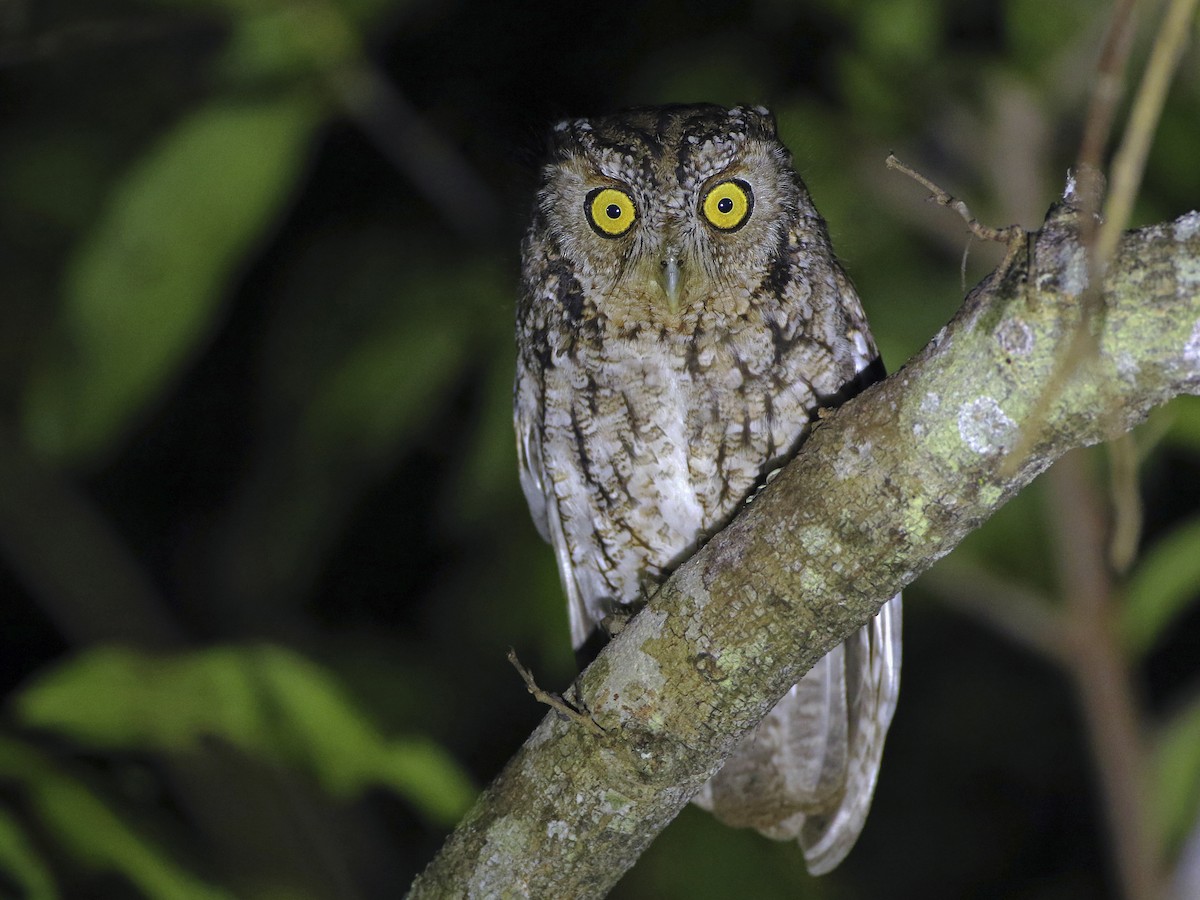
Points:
x=667 y=214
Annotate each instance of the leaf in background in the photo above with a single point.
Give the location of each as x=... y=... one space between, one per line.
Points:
x=92 y=833
x=287 y=40
x=1165 y=581
x=290 y=39
x=20 y=864
x=145 y=287
x=1036 y=30
x=900 y=30
x=268 y=702
x=489 y=469
x=1176 y=773
x=385 y=383
x=1184 y=429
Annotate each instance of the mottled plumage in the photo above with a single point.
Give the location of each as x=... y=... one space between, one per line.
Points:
x=682 y=319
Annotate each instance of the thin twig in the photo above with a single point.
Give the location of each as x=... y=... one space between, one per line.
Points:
x=1087 y=196
x=1129 y=162
x=554 y=701
x=1123 y=457
x=1107 y=85
x=1128 y=166
x=1100 y=671
x=1007 y=235
x=1101 y=674
x=433 y=165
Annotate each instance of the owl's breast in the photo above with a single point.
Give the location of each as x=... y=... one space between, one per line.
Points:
x=654 y=444
x=622 y=446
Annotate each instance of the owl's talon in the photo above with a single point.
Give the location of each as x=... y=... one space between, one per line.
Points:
x=614 y=623
x=771 y=476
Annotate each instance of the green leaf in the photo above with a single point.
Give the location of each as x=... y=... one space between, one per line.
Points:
x=1165 y=581
x=266 y=701
x=385 y=383
x=390 y=380
x=1176 y=774
x=92 y=833
x=486 y=478
x=1034 y=29
x=146 y=287
x=1184 y=429
x=289 y=41
x=900 y=29
x=20 y=863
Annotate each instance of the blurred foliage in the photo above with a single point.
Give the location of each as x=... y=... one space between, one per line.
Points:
x=1176 y=777
x=1161 y=587
x=146 y=283
x=265 y=702
x=259 y=261
x=91 y=832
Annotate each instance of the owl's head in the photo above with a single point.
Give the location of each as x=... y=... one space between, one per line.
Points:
x=664 y=214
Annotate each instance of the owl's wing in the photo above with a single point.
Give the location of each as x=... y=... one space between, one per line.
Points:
x=808 y=771
x=527 y=400
x=539 y=494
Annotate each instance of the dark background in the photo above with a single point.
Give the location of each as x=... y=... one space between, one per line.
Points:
x=262 y=546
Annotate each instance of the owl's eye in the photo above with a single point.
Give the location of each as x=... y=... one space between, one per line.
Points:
x=728 y=205
x=610 y=212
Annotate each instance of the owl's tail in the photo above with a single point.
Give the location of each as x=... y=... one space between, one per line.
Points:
x=808 y=771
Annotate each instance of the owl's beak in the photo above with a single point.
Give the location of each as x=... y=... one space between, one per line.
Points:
x=670 y=279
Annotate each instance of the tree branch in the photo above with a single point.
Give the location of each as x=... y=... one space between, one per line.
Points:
x=884 y=487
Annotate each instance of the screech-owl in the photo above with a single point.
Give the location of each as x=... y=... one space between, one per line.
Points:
x=682 y=319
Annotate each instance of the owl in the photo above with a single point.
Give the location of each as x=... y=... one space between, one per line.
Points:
x=682 y=320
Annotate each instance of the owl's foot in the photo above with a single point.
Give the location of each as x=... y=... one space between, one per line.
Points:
x=554 y=701
x=614 y=623
x=758 y=490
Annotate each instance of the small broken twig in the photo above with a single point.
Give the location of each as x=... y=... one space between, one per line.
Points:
x=1007 y=235
x=554 y=701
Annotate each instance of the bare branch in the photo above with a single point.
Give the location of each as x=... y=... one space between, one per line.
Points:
x=434 y=166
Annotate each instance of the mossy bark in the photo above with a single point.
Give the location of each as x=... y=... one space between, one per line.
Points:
x=883 y=488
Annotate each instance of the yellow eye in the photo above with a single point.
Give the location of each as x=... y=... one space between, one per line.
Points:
x=728 y=205
x=610 y=212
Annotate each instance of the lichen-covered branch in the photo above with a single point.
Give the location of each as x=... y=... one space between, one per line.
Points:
x=884 y=487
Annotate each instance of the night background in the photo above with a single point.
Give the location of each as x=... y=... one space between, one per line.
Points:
x=262 y=543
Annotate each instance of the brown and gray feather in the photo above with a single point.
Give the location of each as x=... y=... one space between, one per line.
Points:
x=662 y=373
